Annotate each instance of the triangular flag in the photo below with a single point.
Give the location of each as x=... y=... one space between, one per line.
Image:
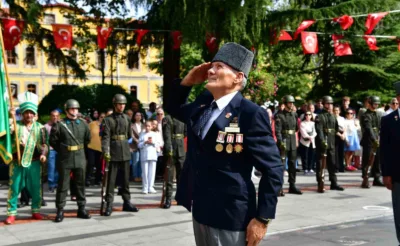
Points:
x=371 y=42
x=140 y=34
x=372 y=21
x=344 y=21
x=303 y=26
x=341 y=48
x=285 y=36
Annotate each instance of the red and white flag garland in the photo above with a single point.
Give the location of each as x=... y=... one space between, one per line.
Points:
x=303 y=26
x=341 y=48
x=372 y=21
x=344 y=21
x=309 y=42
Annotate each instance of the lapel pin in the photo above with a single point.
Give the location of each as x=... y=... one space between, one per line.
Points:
x=228 y=115
x=202 y=105
x=396 y=117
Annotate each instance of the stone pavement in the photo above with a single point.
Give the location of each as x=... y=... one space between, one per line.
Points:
x=155 y=226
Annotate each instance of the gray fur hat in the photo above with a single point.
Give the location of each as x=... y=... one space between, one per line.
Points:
x=236 y=56
x=397 y=87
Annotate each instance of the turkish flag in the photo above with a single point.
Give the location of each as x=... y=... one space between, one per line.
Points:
x=12 y=32
x=309 y=42
x=344 y=21
x=177 y=37
x=371 y=42
x=103 y=33
x=341 y=48
x=140 y=34
x=285 y=36
x=62 y=35
x=303 y=26
x=211 y=43
x=372 y=21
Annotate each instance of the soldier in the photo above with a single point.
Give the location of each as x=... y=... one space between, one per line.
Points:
x=174 y=132
x=115 y=146
x=285 y=129
x=69 y=137
x=327 y=128
x=370 y=123
x=34 y=149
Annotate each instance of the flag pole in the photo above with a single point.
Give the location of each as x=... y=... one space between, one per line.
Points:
x=11 y=98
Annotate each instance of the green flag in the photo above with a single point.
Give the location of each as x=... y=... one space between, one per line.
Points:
x=5 y=133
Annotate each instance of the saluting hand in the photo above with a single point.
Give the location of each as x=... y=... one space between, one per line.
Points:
x=197 y=75
x=255 y=232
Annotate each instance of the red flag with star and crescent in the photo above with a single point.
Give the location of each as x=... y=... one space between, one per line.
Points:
x=341 y=48
x=371 y=42
x=344 y=21
x=12 y=32
x=303 y=26
x=62 y=35
x=103 y=33
x=373 y=20
x=140 y=34
x=309 y=41
x=285 y=36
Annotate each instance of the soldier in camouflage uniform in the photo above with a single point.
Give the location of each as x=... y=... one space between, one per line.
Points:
x=285 y=129
x=115 y=146
x=327 y=128
x=174 y=132
x=370 y=123
x=69 y=137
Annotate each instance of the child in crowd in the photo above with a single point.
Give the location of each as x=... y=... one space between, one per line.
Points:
x=148 y=145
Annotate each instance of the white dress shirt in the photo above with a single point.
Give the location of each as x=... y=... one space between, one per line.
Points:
x=221 y=104
x=389 y=111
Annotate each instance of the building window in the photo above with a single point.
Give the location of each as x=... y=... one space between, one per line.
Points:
x=14 y=90
x=134 y=91
x=30 y=58
x=100 y=59
x=32 y=88
x=12 y=57
x=133 y=59
x=49 y=19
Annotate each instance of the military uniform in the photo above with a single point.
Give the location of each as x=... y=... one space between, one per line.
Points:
x=174 y=131
x=285 y=129
x=327 y=127
x=370 y=123
x=116 y=131
x=69 y=138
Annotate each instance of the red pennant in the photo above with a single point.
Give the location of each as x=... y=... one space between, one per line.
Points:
x=103 y=33
x=345 y=21
x=285 y=36
x=371 y=42
x=12 y=33
x=62 y=35
x=398 y=45
x=303 y=26
x=140 y=34
x=372 y=21
x=211 y=43
x=309 y=42
x=177 y=37
x=341 y=49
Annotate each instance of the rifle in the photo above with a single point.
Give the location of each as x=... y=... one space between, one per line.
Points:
x=371 y=159
x=321 y=173
x=168 y=166
x=104 y=187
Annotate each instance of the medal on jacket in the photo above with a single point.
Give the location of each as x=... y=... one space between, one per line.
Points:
x=220 y=140
x=239 y=142
x=230 y=139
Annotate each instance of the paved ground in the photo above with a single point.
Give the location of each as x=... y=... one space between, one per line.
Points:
x=333 y=218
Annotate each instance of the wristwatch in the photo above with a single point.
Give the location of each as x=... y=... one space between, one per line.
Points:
x=263 y=220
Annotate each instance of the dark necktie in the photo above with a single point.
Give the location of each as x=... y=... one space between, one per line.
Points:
x=204 y=118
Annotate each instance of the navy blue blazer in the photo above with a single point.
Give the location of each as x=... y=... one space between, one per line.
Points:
x=217 y=184
x=390 y=145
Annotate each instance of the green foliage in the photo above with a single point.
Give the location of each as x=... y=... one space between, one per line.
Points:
x=89 y=97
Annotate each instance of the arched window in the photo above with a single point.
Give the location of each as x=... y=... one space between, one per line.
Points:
x=134 y=91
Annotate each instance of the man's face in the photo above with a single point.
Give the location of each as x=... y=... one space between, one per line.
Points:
x=395 y=104
x=289 y=106
x=320 y=105
x=73 y=112
x=135 y=107
x=119 y=107
x=346 y=103
x=28 y=116
x=160 y=115
x=54 y=116
x=95 y=114
x=311 y=108
x=220 y=77
x=129 y=113
x=328 y=106
x=375 y=106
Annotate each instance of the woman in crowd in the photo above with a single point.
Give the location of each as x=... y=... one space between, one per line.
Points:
x=307 y=143
x=137 y=128
x=94 y=149
x=148 y=145
x=352 y=140
x=340 y=140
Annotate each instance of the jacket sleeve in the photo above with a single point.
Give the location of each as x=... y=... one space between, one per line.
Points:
x=166 y=129
x=141 y=141
x=105 y=139
x=264 y=154
x=384 y=148
x=54 y=139
x=319 y=127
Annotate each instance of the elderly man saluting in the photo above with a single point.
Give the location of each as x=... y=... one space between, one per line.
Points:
x=227 y=136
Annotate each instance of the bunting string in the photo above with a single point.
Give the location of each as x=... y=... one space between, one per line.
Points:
x=360 y=15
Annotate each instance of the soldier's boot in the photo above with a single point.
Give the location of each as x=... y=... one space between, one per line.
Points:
x=365 y=184
x=10 y=220
x=59 y=215
x=129 y=207
x=108 y=210
x=293 y=190
x=82 y=213
x=167 y=203
x=321 y=187
x=335 y=186
x=377 y=182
